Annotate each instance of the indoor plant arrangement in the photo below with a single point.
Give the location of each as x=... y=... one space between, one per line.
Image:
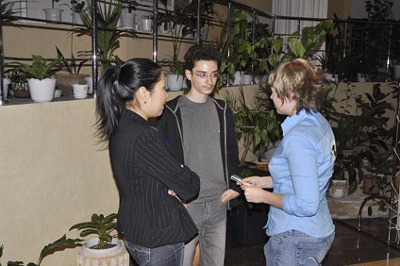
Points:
x=73 y=67
x=108 y=36
x=41 y=86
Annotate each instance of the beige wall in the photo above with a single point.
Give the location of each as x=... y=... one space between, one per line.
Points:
x=342 y=8
x=53 y=175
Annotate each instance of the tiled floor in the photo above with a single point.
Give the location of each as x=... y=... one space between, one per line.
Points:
x=349 y=247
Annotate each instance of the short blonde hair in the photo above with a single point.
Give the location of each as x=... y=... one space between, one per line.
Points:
x=300 y=81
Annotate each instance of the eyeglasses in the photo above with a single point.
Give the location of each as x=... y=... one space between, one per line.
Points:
x=204 y=75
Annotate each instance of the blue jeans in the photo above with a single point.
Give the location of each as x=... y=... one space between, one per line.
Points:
x=296 y=248
x=168 y=255
x=210 y=219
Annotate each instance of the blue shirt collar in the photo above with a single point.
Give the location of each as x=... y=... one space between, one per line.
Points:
x=291 y=121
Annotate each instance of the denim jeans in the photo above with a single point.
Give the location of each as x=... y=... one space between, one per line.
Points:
x=210 y=219
x=168 y=255
x=296 y=248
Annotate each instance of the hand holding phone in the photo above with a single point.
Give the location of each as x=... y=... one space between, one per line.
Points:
x=236 y=178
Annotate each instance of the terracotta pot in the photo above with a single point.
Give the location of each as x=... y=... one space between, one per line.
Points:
x=370 y=185
x=65 y=82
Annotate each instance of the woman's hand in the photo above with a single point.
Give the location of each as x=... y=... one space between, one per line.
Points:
x=259 y=181
x=253 y=193
x=228 y=195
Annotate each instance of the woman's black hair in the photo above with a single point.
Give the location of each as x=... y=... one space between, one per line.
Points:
x=117 y=86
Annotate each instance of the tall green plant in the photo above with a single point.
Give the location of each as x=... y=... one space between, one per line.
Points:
x=258 y=127
x=108 y=36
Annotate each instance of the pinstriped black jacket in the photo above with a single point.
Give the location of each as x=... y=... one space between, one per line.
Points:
x=144 y=170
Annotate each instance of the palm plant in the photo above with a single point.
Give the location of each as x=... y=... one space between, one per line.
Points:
x=108 y=36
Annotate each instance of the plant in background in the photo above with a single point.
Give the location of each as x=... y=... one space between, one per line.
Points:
x=58 y=245
x=53 y=2
x=77 y=6
x=108 y=35
x=71 y=66
x=258 y=127
x=40 y=68
x=101 y=226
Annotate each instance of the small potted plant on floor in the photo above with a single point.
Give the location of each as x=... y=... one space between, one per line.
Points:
x=106 y=242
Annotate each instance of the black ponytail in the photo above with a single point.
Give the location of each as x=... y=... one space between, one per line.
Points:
x=117 y=86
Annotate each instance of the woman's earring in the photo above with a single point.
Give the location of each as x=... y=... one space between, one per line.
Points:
x=145 y=101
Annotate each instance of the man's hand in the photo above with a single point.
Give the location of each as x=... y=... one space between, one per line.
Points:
x=259 y=181
x=228 y=195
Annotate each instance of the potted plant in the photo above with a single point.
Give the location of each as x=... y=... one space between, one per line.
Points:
x=108 y=36
x=53 y=14
x=73 y=67
x=76 y=7
x=41 y=86
x=106 y=242
x=258 y=127
x=127 y=16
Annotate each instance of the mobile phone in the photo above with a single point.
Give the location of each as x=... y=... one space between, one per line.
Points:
x=236 y=178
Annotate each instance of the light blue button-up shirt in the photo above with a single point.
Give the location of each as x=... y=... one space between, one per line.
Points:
x=301 y=168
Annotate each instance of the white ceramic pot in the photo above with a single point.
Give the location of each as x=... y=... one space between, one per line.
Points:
x=89 y=82
x=113 y=256
x=53 y=14
x=247 y=79
x=238 y=79
x=6 y=83
x=338 y=188
x=146 y=24
x=175 y=82
x=76 y=18
x=42 y=90
x=80 y=91
x=164 y=30
x=127 y=20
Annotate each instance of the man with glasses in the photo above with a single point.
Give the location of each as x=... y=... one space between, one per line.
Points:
x=201 y=134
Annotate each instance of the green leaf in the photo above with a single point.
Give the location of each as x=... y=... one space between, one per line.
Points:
x=296 y=46
x=59 y=245
x=274 y=60
x=277 y=45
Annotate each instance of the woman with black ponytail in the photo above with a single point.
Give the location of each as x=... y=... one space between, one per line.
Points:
x=151 y=216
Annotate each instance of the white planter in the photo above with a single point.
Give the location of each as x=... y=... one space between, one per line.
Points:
x=164 y=30
x=116 y=255
x=6 y=83
x=175 y=82
x=247 y=79
x=338 y=188
x=260 y=79
x=80 y=91
x=146 y=24
x=76 y=18
x=127 y=20
x=238 y=78
x=42 y=90
x=53 y=14
x=397 y=72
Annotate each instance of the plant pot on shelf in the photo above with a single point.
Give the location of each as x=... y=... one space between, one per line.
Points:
x=115 y=255
x=42 y=90
x=53 y=14
x=338 y=188
x=6 y=84
x=80 y=91
x=127 y=20
x=175 y=82
x=76 y=18
x=65 y=82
